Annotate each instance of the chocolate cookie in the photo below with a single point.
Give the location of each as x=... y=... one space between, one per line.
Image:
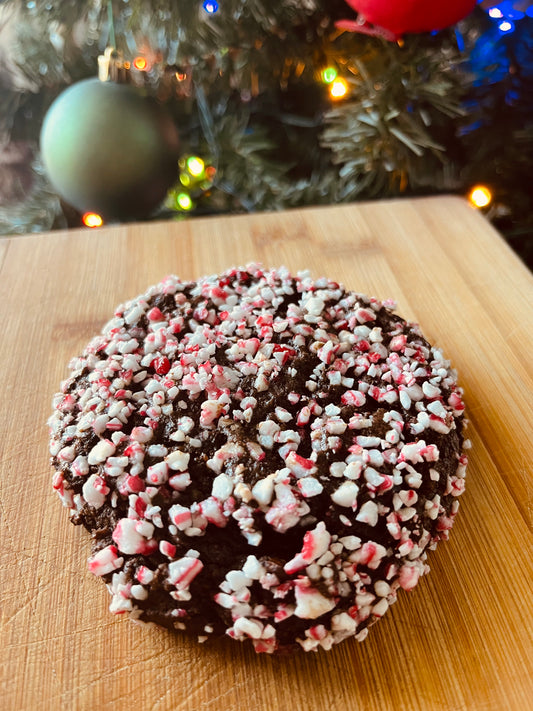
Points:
x=259 y=455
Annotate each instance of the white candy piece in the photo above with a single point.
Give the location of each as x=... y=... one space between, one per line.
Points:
x=346 y=494
x=315 y=543
x=105 y=561
x=222 y=487
x=178 y=460
x=128 y=538
x=310 y=603
x=263 y=491
x=101 y=451
x=95 y=491
x=368 y=513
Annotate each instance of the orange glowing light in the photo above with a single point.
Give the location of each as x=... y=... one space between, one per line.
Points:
x=338 y=89
x=140 y=63
x=480 y=196
x=92 y=219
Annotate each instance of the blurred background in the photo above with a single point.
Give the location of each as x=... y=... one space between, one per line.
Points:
x=278 y=104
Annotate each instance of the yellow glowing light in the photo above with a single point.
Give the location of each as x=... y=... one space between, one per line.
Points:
x=195 y=166
x=185 y=179
x=338 y=89
x=480 y=196
x=184 y=201
x=140 y=63
x=92 y=219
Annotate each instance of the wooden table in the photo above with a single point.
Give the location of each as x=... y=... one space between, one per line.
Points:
x=461 y=640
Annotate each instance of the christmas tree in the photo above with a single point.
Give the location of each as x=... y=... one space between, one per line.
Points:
x=287 y=103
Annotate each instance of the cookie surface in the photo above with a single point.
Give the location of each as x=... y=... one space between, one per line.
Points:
x=259 y=455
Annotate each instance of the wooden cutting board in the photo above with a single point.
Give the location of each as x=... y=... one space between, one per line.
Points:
x=462 y=640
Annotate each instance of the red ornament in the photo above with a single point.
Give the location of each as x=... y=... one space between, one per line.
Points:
x=399 y=17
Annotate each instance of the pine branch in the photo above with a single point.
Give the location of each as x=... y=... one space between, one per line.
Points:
x=40 y=211
x=385 y=137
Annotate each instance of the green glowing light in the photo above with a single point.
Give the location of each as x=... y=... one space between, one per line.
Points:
x=329 y=74
x=184 y=201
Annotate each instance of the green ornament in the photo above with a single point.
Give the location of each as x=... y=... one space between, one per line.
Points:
x=108 y=148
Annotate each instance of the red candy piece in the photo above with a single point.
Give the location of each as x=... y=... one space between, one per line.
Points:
x=161 y=365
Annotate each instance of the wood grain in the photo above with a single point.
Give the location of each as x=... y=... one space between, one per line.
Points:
x=462 y=640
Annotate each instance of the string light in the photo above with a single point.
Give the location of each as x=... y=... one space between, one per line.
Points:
x=210 y=6
x=195 y=180
x=506 y=27
x=329 y=74
x=140 y=63
x=195 y=166
x=495 y=12
x=92 y=219
x=480 y=196
x=338 y=88
x=184 y=201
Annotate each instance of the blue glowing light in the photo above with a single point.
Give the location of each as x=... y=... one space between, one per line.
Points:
x=460 y=40
x=506 y=27
x=506 y=7
x=509 y=11
x=210 y=6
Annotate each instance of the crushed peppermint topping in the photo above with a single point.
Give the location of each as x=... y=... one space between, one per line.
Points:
x=264 y=456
